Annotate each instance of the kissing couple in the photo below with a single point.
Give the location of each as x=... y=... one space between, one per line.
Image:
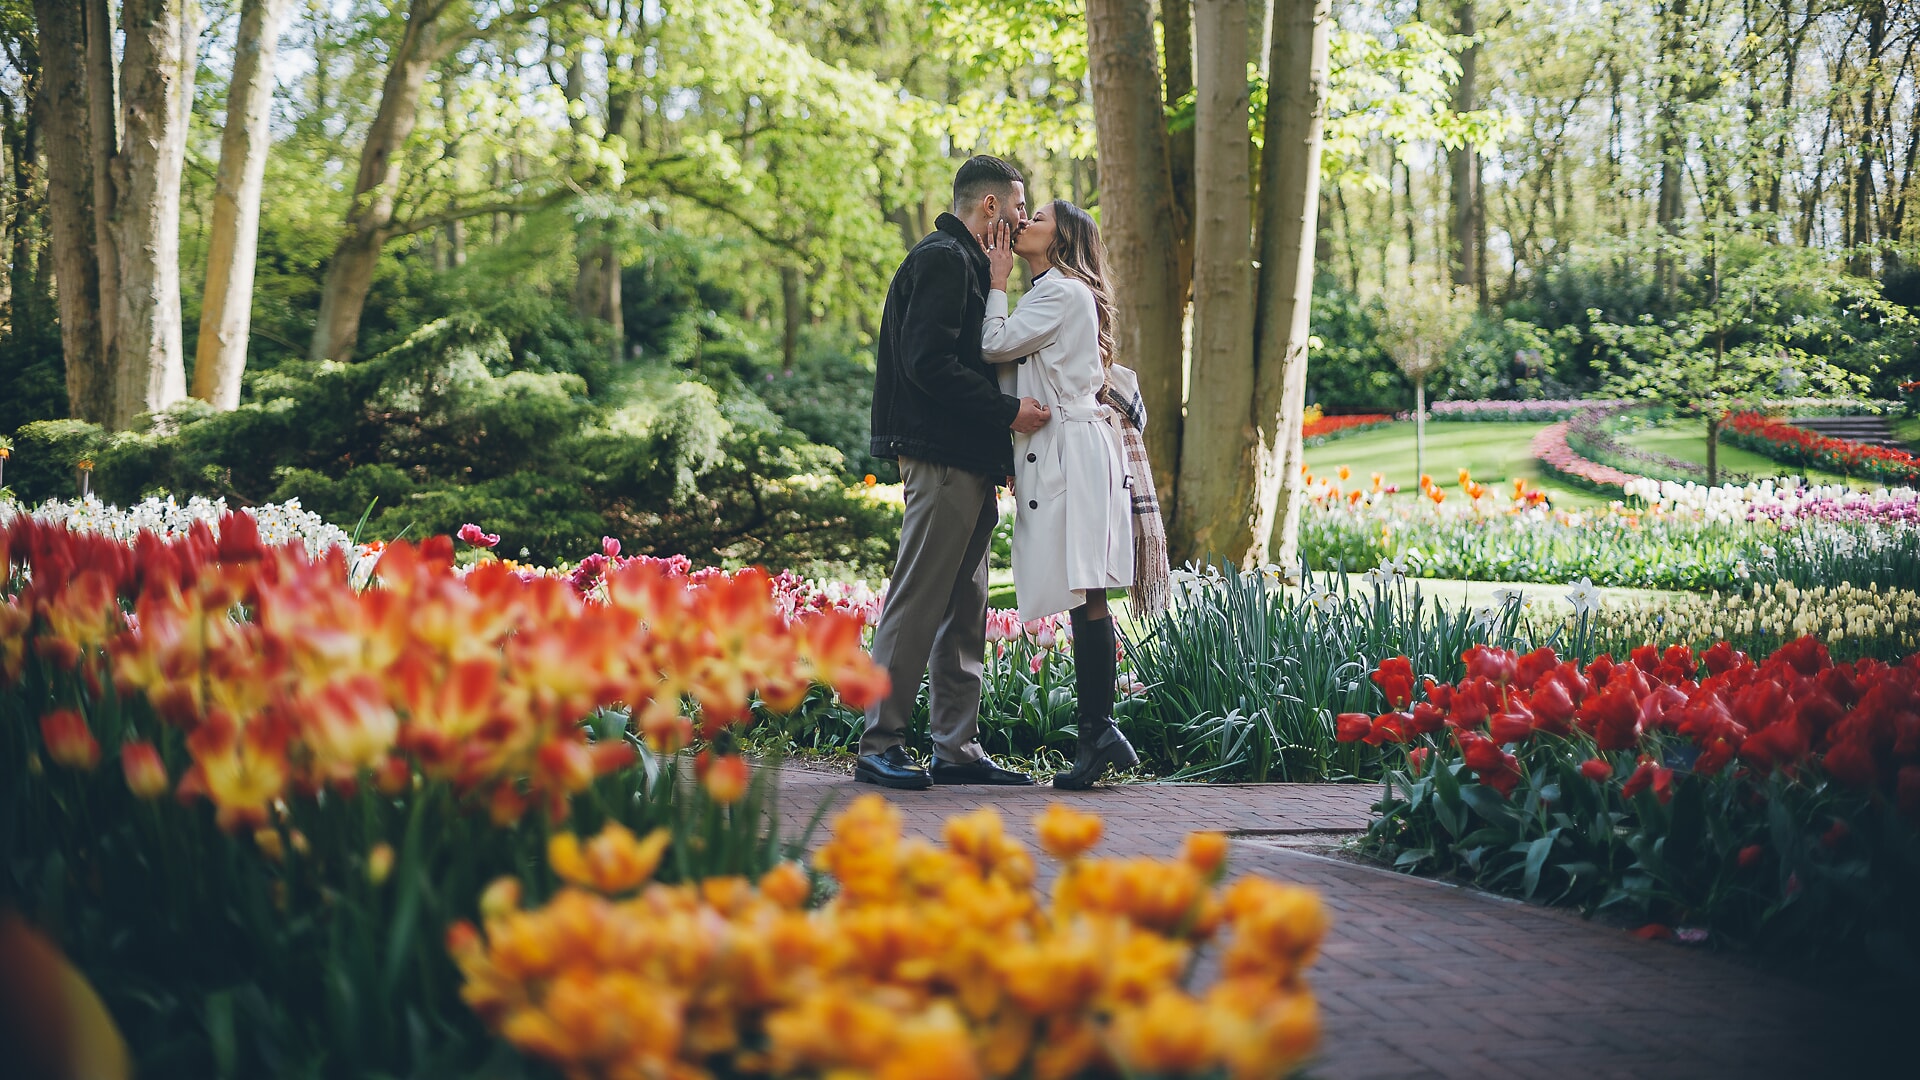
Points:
x=966 y=397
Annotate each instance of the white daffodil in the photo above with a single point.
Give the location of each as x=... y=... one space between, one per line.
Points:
x=1485 y=618
x=1584 y=597
x=1507 y=596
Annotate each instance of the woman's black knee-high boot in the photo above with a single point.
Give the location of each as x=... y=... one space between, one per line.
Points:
x=1094 y=667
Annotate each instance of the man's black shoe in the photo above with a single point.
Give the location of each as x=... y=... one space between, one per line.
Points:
x=984 y=771
x=891 y=768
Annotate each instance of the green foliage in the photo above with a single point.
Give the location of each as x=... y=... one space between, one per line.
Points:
x=1773 y=320
x=455 y=425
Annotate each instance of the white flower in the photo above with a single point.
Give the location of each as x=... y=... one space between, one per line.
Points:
x=1584 y=597
x=1507 y=596
x=1485 y=618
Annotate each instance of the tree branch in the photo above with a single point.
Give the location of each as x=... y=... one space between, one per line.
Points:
x=462 y=213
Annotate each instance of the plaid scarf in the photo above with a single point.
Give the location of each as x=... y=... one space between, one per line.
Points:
x=1152 y=582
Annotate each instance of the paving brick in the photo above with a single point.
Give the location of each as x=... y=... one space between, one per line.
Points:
x=1424 y=979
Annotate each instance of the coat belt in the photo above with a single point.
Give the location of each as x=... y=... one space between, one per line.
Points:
x=1091 y=413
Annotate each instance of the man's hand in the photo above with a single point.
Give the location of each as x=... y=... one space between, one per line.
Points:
x=999 y=245
x=1032 y=416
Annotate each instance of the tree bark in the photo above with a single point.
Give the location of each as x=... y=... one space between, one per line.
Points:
x=1136 y=201
x=103 y=141
x=1860 y=262
x=1669 y=210
x=1289 y=222
x=226 y=309
x=76 y=269
x=1463 y=163
x=1176 y=22
x=343 y=297
x=1217 y=456
x=149 y=369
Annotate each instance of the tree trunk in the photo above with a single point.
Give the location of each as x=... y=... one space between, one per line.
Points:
x=1860 y=262
x=792 y=310
x=370 y=217
x=70 y=195
x=1463 y=243
x=149 y=369
x=1672 y=146
x=226 y=310
x=1217 y=456
x=1289 y=222
x=1136 y=202
x=103 y=140
x=1176 y=21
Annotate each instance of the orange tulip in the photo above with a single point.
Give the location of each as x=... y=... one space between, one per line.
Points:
x=146 y=773
x=69 y=741
x=725 y=776
x=1066 y=833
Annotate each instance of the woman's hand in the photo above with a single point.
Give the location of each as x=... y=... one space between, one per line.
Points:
x=999 y=245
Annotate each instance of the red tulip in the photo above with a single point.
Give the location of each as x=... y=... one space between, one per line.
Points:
x=1552 y=706
x=1749 y=856
x=1515 y=725
x=1641 y=779
x=1394 y=677
x=471 y=534
x=1417 y=759
x=1352 y=727
x=1596 y=770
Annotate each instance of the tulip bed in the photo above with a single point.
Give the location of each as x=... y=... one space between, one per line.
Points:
x=1671 y=536
x=1764 y=800
x=258 y=791
x=1782 y=441
x=928 y=962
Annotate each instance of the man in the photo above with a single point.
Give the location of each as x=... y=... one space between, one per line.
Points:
x=938 y=409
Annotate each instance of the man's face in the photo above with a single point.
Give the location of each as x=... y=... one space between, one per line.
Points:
x=1012 y=210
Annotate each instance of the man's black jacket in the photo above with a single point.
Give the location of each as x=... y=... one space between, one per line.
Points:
x=933 y=397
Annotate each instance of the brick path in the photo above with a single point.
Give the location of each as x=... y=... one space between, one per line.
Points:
x=1423 y=979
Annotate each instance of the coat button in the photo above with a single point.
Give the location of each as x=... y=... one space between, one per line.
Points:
x=1032 y=458
x=1033 y=504
x=1023 y=359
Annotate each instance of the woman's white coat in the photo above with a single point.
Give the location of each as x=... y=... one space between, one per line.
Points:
x=1073 y=527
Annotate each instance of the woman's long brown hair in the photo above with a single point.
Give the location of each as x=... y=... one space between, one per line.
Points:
x=1078 y=253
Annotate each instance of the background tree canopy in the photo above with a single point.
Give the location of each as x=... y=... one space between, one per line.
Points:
x=577 y=267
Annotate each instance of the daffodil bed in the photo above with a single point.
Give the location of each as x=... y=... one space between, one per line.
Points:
x=1770 y=801
x=258 y=797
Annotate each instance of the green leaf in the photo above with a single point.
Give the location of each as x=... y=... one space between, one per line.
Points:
x=1537 y=853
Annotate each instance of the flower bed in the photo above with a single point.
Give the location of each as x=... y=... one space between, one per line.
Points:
x=1318 y=430
x=1557 y=458
x=346 y=767
x=1546 y=409
x=928 y=962
x=1683 y=537
x=1796 y=445
x=1768 y=800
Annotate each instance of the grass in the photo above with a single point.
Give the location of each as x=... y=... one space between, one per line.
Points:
x=1687 y=440
x=1494 y=452
x=1908 y=431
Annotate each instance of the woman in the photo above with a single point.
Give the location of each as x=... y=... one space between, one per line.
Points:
x=1073 y=523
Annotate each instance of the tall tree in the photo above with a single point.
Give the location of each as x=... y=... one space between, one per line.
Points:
x=1176 y=28
x=1289 y=220
x=370 y=216
x=150 y=370
x=1136 y=200
x=1867 y=149
x=1465 y=240
x=1216 y=455
x=233 y=239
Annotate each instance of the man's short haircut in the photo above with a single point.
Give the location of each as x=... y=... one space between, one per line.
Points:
x=983 y=175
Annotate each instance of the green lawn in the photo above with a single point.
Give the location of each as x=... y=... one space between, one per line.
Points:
x=1687 y=440
x=1495 y=452
x=1908 y=431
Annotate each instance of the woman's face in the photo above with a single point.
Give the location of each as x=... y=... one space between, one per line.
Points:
x=1037 y=238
